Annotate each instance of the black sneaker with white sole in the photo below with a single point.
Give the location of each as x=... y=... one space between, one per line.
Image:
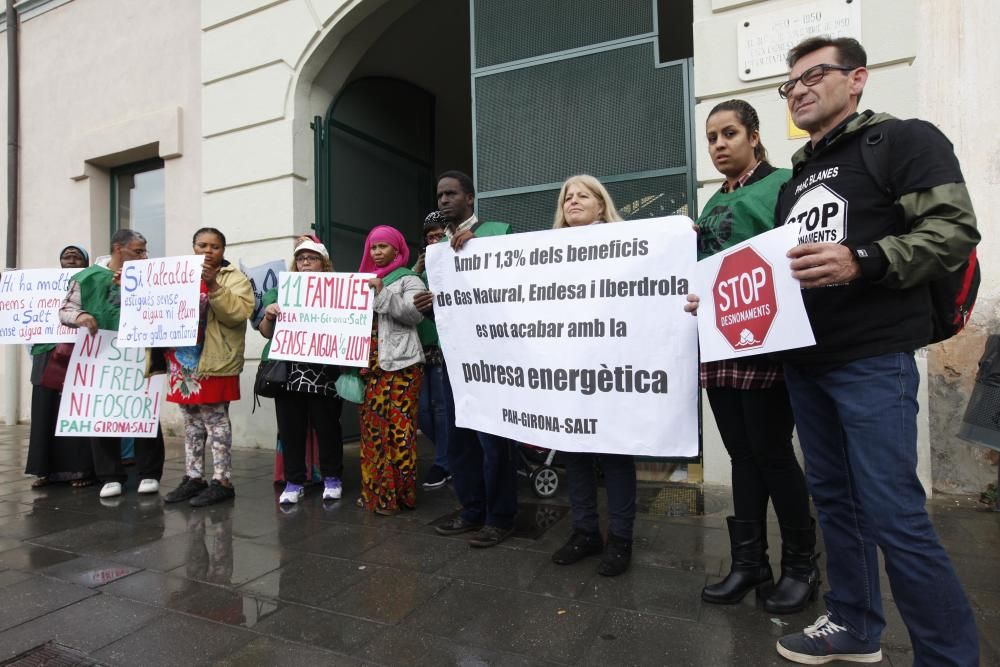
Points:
x=824 y=641
x=436 y=478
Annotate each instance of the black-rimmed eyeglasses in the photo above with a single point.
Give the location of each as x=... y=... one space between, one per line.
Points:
x=810 y=77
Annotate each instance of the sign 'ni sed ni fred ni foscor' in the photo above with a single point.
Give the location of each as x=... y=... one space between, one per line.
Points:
x=106 y=393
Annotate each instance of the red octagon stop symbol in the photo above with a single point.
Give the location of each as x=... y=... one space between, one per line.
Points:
x=745 y=306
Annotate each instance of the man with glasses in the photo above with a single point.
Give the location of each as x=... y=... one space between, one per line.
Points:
x=868 y=246
x=94 y=302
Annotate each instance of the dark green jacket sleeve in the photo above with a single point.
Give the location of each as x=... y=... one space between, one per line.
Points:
x=942 y=234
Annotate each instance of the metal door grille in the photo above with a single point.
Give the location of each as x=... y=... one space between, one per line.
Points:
x=511 y=30
x=561 y=88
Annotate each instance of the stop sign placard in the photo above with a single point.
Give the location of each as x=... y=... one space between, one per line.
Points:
x=745 y=305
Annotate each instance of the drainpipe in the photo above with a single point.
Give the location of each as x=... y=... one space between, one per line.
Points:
x=11 y=381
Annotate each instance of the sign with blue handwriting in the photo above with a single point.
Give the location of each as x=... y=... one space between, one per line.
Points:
x=160 y=302
x=29 y=306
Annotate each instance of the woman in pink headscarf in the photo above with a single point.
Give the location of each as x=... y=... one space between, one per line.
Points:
x=395 y=370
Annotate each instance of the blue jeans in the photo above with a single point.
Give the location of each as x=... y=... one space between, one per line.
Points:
x=436 y=412
x=858 y=429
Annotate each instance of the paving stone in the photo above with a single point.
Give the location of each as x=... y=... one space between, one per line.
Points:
x=37 y=596
x=387 y=595
x=423 y=650
x=277 y=653
x=319 y=628
x=85 y=626
x=101 y=537
x=311 y=580
x=33 y=558
x=503 y=620
x=425 y=553
x=173 y=639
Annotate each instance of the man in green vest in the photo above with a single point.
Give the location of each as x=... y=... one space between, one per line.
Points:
x=94 y=302
x=483 y=466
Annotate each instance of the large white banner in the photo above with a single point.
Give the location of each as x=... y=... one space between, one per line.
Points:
x=574 y=339
x=105 y=394
x=326 y=318
x=750 y=304
x=160 y=302
x=29 y=306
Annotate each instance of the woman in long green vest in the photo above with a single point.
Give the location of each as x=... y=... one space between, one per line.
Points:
x=748 y=395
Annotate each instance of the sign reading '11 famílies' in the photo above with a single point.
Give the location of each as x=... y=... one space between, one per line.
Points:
x=325 y=318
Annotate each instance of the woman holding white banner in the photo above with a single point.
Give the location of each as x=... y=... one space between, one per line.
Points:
x=204 y=378
x=392 y=383
x=584 y=201
x=748 y=395
x=54 y=458
x=308 y=406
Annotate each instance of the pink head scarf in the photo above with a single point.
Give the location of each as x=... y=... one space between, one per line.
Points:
x=392 y=236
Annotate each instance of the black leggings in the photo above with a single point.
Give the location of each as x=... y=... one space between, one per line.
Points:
x=756 y=428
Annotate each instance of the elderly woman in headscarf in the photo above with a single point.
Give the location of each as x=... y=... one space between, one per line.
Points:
x=52 y=458
x=395 y=371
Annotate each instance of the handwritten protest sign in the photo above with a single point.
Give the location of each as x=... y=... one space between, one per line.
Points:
x=29 y=306
x=574 y=339
x=160 y=300
x=326 y=318
x=262 y=278
x=105 y=392
x=750 y=304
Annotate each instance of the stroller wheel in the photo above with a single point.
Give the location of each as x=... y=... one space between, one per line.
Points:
x=544 y=481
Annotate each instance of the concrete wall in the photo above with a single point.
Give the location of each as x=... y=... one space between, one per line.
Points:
x=103 y=84
x=930 y=59
x=958 y=89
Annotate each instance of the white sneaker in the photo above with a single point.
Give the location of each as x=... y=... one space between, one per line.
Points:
x=111 y=489
x=332 y=489
x=149 y=486
x=291 y=495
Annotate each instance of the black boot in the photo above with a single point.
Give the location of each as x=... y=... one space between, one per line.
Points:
x=616 y=558
x=750 y=570
x=799 y=582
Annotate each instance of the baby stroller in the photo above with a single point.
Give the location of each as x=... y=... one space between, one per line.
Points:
x=537 y=466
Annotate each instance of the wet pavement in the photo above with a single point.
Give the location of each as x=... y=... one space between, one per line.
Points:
x=245 y=583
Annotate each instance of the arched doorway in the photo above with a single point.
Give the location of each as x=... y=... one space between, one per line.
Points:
x=398 y=115
x=374 y=164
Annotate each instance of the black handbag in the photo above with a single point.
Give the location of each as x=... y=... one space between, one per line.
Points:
x=272 y=376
